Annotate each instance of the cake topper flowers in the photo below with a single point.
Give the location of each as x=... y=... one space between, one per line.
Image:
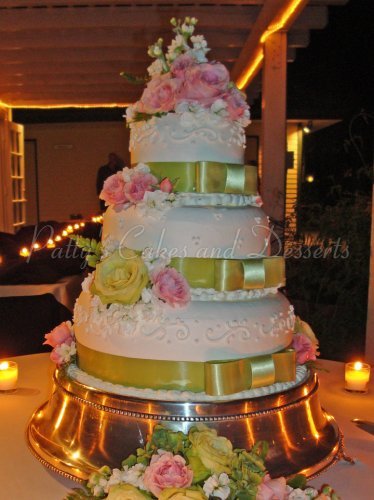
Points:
x=183 y=80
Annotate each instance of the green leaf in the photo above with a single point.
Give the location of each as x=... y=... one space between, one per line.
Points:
x=297 y=481
x=79 y=493
x=134 y=80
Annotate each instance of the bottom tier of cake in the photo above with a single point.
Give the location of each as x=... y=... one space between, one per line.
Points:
x=82 y=428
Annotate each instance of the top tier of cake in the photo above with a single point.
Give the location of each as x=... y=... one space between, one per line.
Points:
x=187 y=137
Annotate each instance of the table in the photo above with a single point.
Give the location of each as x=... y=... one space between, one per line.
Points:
x=65 y=290
x=24 y=478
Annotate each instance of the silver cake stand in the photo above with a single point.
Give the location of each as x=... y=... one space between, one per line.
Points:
x=81 y=428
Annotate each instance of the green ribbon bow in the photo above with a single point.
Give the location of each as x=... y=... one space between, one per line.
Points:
x=231 y=274
x=217 y=378
x=208 y=176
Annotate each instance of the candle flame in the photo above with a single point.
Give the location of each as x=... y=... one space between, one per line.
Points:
x=4 y=365
x=357 y=365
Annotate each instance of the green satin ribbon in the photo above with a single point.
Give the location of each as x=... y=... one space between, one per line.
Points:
x=208 y=176
x=217 y=378
x=231 y=274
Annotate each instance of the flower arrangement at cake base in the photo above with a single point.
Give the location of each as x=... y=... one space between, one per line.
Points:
x=200 y=465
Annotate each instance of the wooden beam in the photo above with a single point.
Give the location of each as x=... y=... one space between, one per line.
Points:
x=95 y=55
x=273 y=123
x=169 y=3
x=108 y=37
x=151 y=17
x=252 y=48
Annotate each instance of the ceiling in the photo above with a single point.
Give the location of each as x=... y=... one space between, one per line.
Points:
x=71 y=52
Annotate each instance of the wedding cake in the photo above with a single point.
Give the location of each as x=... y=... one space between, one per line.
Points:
x=185 y=294
x=181 y=322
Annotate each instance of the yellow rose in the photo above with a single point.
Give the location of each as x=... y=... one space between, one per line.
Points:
x=181 y=494
x=120 y=277
x=126 y=492
x=214 y=451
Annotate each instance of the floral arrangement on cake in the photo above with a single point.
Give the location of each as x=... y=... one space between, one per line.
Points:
x=199 y=465
x=138 y=186
x=182 y=80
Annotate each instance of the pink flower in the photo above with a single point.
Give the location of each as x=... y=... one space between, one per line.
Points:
x=113 y=190
x=167 y=471
x=139 y=184
x=305 y=349
x=166 y=185
x=56 y=357
x=236 y=104
x=204 y=83
x=180 y=64
x=171 y=287
x=271 y=489
x=62 y=334
x=159 y=95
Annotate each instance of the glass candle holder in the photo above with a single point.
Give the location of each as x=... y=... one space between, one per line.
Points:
x=357 y=376
x=8 y=376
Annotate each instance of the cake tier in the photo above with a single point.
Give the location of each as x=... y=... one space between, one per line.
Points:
x=210 y=232
x=202 y=331
x=177 y=137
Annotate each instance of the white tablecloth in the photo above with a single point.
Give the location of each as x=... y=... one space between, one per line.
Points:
x=22 y=477
x=66 y=290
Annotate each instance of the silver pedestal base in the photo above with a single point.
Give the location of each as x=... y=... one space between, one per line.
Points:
x=80 y=428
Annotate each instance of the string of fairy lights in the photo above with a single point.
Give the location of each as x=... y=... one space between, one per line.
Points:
x=65 y=233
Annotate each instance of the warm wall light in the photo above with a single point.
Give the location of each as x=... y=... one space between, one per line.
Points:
x=308 y=127
x=63 y=106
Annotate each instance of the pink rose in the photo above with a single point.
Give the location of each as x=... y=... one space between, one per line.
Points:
x=113 y=190
x=271 y=489
x=204 y=83
x=167 y=471
x=159 y=95
x=57 y=357
x=304 y=347
x=139 y=184
x=62 y=334
x=180 y=64
x=171 y=287
x=166 y=185
x=236 y=104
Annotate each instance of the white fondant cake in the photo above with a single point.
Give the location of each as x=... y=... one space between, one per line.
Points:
x=187 y=136
x=185 y=274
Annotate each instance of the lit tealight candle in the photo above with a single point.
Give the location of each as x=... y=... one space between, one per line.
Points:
x=76 y=226
x=36 y=246
x=82 y=224
x=8 y=375
x=69 y=229
x=64 y=233
x=24 y=252
x=357 y=376
x=58 y=238
x=50 y=243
